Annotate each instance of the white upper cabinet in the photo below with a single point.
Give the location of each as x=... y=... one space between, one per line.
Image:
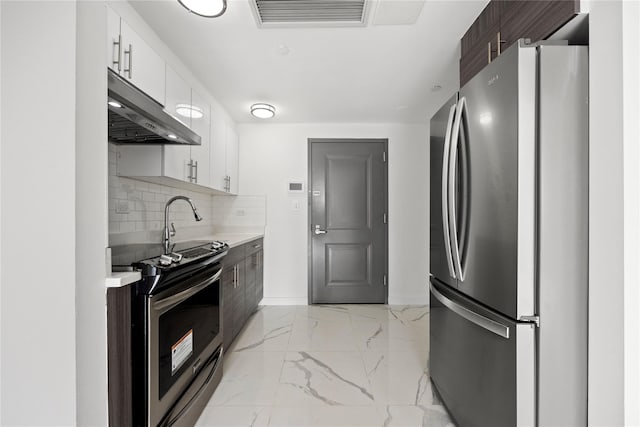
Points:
x=132 y=58
x=177 y=158
x=224 y=158
x=200 y=154
x=232 y=160
x=219 y=155
x=213 y=165
x=114 y=53
x=174 y=164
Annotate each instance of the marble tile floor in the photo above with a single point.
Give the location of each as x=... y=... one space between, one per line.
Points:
x=329 y=366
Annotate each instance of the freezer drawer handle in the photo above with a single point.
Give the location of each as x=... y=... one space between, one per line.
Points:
x=483 y=322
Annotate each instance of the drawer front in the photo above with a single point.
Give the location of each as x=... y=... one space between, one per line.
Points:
x=254 y=246
x=234 y=256
x=484 y=378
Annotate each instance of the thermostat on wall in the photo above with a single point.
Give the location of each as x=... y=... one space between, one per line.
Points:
x=296 y=187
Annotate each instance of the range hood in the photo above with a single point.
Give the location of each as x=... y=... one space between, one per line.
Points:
x=135 y=118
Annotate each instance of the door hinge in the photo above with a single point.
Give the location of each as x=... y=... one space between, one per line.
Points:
x=384 y=218
x=384 y=280
x=384 y=157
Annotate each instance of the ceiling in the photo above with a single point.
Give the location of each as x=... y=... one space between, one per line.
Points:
x=372 y=73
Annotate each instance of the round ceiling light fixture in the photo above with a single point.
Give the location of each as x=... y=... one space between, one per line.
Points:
x=263 y=111
x=205 y=8
x=188 y=110
x=115 y=104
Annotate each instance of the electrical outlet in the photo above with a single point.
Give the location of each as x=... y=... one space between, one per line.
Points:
x=240 y=212
x=122 y=207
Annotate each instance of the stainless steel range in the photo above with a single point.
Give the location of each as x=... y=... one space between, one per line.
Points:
x=177 y=332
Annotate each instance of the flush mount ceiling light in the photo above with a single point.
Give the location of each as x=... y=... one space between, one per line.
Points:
x=263 y=111
x=187 y=110
x=115 y=104
x=205 y=8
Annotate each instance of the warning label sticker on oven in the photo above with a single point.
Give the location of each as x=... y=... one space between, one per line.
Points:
x=181 y=351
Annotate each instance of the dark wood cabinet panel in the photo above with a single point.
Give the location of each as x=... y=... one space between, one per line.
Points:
x=227 y=306
x=485 y=22
x=535 y=20
x=478 y=58
x=120 y=375
x=503 y=22
x=259 y=278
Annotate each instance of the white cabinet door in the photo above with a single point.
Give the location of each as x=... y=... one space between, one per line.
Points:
x=177 y=157
x=232 y=159
x=218 y=154
x=141 y=64
x=114 y=47
x=177 y=93
x=200 y=154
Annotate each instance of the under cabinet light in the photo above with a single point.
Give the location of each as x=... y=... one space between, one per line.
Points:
x=205 y=8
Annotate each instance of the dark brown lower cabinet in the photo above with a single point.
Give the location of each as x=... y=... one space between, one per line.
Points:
x=241 y=287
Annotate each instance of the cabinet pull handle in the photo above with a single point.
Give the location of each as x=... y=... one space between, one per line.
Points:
x=118 y=61
x=195 y=165
x=130 y=53
x=489 y=53
x=499 y=41
x=235 y=276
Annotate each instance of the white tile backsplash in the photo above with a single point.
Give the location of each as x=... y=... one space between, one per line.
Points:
x=240 y=211
x=138 y=206
x=136 y=210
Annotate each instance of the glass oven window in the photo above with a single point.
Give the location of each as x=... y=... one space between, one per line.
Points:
x=184 y=332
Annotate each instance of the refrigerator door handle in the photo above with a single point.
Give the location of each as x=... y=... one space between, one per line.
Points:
x=453 y=162
x=478 y=319
x=445 y=206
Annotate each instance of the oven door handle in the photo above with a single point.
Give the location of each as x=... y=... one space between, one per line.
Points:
x=173 y=300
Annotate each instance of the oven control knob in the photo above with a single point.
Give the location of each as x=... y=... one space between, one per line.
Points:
x=165 y=260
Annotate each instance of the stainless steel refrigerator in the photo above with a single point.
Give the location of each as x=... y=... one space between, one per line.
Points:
x=509 y=241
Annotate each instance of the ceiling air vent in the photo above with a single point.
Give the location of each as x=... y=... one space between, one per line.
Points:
x=283 y=13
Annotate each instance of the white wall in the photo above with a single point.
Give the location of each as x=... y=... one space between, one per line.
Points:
x=91 y=215
x=273 y=154
x=0 y=214
x=38 y=213
x=631 y=149
x=614 y=354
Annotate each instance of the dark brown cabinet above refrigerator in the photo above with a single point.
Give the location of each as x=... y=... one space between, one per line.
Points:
x=502 y=22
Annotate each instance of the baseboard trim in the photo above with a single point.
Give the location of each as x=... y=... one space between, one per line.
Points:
x=283 y=301
x=404 y=300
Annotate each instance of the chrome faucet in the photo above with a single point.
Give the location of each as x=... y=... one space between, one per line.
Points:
x=168 y=233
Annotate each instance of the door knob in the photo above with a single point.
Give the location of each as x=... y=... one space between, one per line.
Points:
x=318 y=231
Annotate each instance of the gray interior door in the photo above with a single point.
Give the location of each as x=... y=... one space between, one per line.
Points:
x=347 y=218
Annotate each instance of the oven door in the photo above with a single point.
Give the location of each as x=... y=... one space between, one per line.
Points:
x=184 y=335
